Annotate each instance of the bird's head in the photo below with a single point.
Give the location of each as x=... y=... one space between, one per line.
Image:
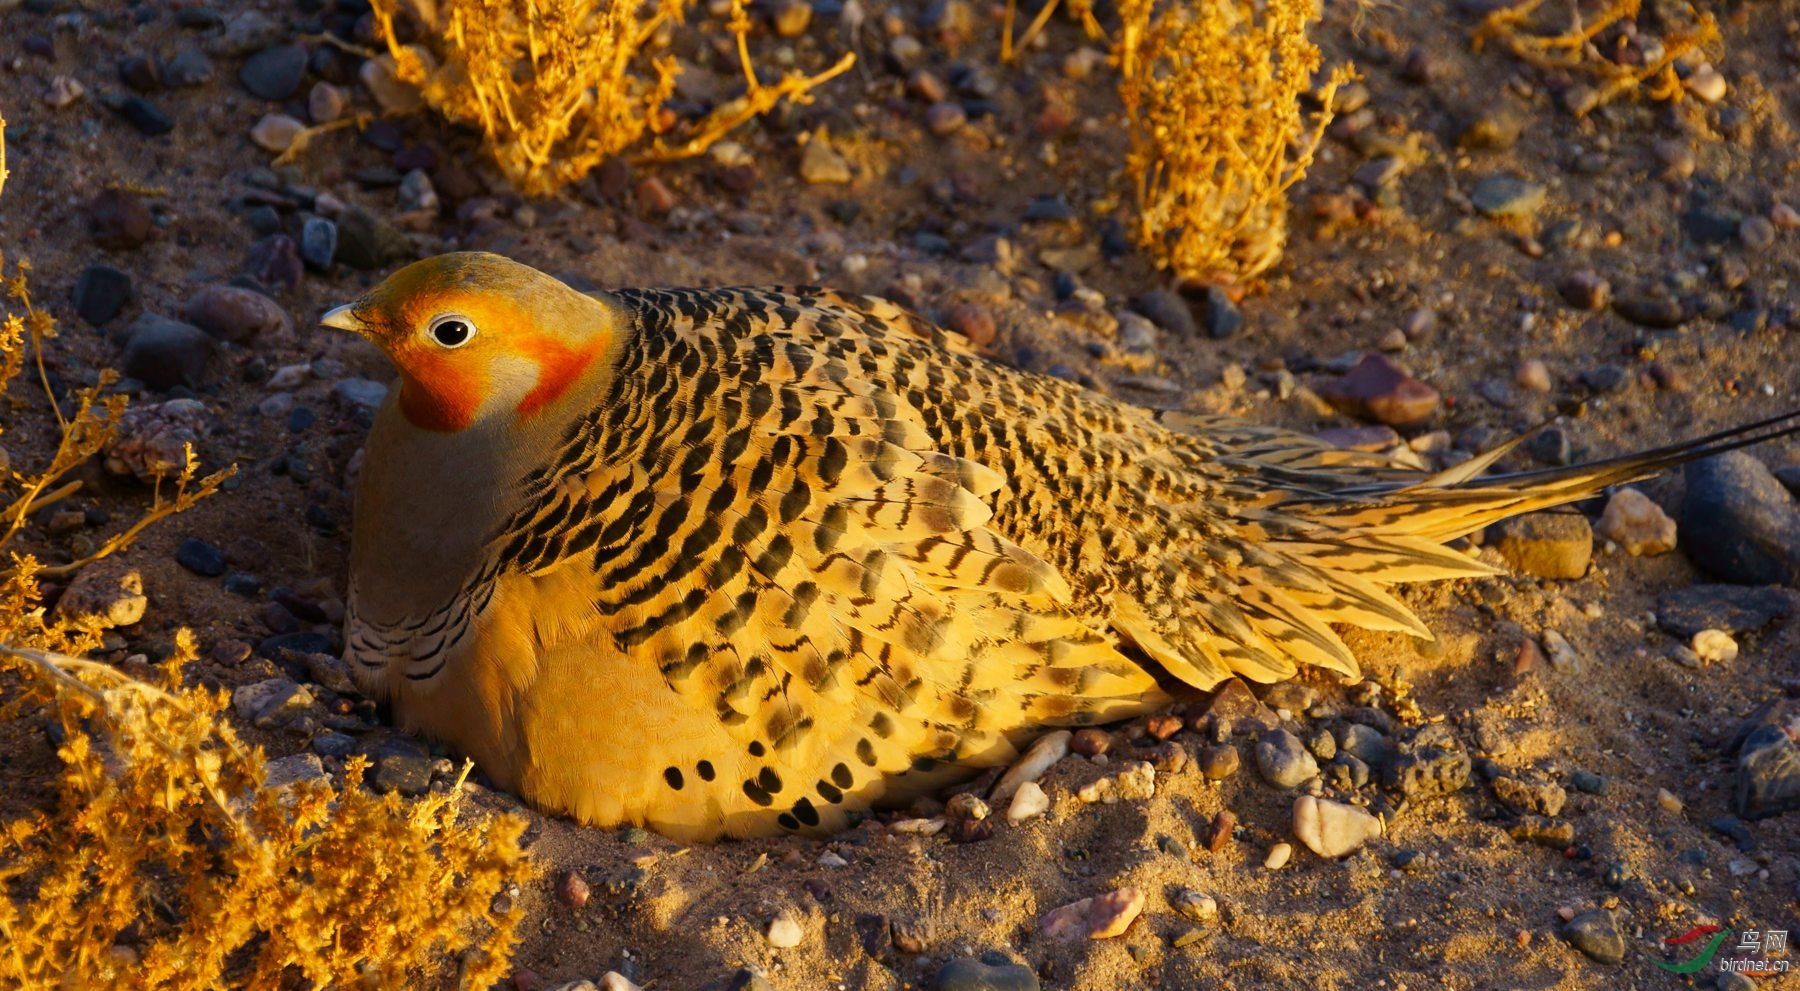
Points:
x=477 y=336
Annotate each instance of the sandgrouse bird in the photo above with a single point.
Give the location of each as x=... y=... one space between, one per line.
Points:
x=738 y=561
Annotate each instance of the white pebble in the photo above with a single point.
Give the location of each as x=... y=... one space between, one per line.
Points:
x=830 y=859
x=1279 y=855
x=1049 y=749
x=276 y=132
x=63 y=91
x=612 y=980
x=1030 y=800
x=785 y=931
x=1715 y=647
x=1333 y=829
x=1707 y=84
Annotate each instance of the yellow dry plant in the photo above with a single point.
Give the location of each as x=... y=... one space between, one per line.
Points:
x=555 y=86
x=155 y=857
x=1573 y=47
x=1212 y=101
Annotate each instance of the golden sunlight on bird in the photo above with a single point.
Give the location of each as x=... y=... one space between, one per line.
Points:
x=739 y=561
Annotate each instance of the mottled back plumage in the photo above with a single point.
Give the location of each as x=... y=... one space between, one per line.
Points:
x=787 y=553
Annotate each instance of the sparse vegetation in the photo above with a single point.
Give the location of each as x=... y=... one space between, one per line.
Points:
x=1212 y=99
x=1617 y=63
x=159 y=857
x=558 y=86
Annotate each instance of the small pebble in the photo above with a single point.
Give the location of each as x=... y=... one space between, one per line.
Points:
x=823 y=165
x=1668 y=800
x=276 y=132
x=200 y=557
x=274 y=73
x=1533 y=375
x=1283 y=760
x=1563 y=656
x=946 y=117
x=1378 y=390
x=1707 y=84
x=1635 y=522
x=1715 y=647
x=785 y=931
x=1279 y=855
x=1596 y=933
x=1333 y=829
x=1506 y=196
x=1029 y=801
x=324 y=103
x=1100 y=917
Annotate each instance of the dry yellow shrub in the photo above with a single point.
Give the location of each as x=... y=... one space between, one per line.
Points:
x=553 y=86
x=1212 y=101
x=1572 y=45
x=166 y=862
x=157 y=858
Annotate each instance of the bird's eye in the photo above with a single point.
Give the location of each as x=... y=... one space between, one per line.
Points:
x=451 y=331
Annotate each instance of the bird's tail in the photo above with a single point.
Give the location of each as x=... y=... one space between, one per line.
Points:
x=1320 y=535
x=1460 y=500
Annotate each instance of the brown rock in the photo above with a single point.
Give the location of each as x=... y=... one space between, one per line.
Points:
x=1585 y=290
x=1547 y=545
x=1378 y=390
x=118 y=220
x=1633 y=521
x=573 y=890
x=1233 y=701
x=973 y=322
x=1099 y=917
x=231 y=313
x=1091 y=742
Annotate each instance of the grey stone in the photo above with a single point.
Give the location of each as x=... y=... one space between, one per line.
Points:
x=164 y=353
x=400 y=766
x=274 y=73
x=1507 y=196
x=1768 y=774
x=367 y=242
x=318 y=243
x=1683 y=612
x=1739 y=523
x=360 y=392
x=1167 y=310
x=246 y=33
x=991 y=972
x=1596 y=933
x=190 y=67
x=101 y=292
x=1283 y=761
x=298 y=768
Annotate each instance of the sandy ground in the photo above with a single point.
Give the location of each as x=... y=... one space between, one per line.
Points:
x=1473 y=908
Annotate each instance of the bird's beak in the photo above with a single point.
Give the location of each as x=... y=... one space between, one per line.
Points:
x=345 y=318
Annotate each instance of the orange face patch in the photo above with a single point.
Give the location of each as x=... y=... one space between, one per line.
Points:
x=559 y=366
x=450 y=400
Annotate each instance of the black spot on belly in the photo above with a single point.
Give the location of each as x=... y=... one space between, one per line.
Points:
x=757 y=749
x=706 y=770
x=830 y=792
x=758 y=794
x=865 y=752
x=804 y=811
x=769 y=780
x=787 y=821
x=673 y=776
x=840 y=776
